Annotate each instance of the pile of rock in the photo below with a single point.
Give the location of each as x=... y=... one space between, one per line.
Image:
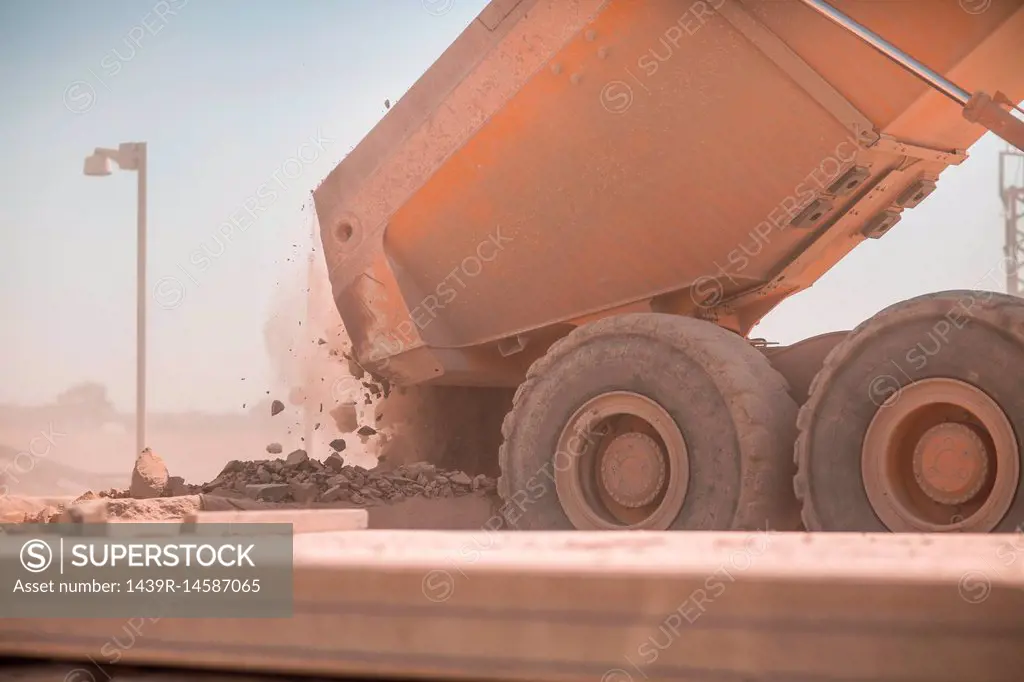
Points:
x=297 y=478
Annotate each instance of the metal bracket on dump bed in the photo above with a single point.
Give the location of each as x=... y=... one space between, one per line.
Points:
x=888 y=143
x=802 y=73
x=981 y=108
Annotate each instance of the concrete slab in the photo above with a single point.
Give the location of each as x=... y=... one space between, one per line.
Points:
x=616 y=607
x=302 y=520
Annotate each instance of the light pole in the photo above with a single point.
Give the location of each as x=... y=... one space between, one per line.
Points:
x=132 y=156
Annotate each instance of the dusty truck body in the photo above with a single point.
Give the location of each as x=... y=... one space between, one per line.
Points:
x=556 y=243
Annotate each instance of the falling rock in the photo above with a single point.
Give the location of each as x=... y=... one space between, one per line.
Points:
x=275 y=449
x=366 y=431
x=303 y=493
x=267 y=492
x=345 y=417
x=149 y=477
x=334 y=462
x=276 y=408
x=338 y=444
x=295 y=458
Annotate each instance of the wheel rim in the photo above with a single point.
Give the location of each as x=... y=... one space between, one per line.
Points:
x=939 y=456
x=621 y=464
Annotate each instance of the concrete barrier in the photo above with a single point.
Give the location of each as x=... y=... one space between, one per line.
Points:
x=614 y=607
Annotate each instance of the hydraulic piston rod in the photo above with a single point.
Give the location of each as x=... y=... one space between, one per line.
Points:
x=978 y=108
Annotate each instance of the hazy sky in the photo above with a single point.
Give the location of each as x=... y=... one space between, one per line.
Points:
x=225 y=93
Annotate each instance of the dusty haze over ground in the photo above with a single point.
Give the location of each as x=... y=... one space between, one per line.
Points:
x=50 y=449
x=225 y=94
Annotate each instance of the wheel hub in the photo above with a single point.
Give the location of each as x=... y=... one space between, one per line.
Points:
x=633 y=470
x=941 y=457
x=950 y=463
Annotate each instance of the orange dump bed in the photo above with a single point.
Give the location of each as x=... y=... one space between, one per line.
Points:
x=569 y=159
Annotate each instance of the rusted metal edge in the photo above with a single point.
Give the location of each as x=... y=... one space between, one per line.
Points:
x=775 y=49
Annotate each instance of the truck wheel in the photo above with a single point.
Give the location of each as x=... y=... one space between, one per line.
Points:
x=912 y=423
x=650 y=421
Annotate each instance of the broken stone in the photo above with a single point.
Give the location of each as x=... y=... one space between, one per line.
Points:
x=304 y=481
x=267 y=492
x=149 y=477
x=296 y=458
x=275 y=449
x=276 y=408
x=417 y=469
x=335 y=494
x=366 y=431
x=338 y=444
x=232 y=467
x=303 y=493
x=226 y=492
x=176 y=487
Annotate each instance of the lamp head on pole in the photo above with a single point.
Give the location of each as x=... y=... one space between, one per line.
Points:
x=128 y=156
x=97 y=165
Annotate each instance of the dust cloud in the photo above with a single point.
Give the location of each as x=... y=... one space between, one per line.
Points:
x=80 y=442
x=306 y=344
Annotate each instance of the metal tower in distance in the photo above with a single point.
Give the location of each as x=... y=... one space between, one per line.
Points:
x=1011 y=191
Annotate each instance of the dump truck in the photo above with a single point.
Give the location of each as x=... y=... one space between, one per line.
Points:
x=552 y=250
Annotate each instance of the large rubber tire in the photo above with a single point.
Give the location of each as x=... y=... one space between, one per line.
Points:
x=733 y=409
x=801 y=362
x=983 y=346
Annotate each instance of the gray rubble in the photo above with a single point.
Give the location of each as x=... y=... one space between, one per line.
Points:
x=297 y=478
x=294 y=479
